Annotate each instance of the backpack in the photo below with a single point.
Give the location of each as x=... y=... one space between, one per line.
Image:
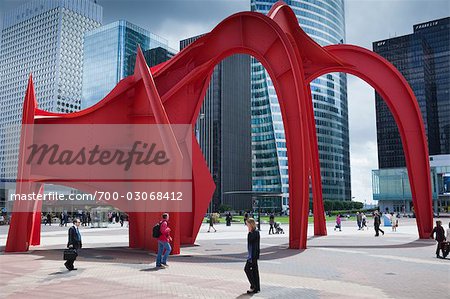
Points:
x=157 y=230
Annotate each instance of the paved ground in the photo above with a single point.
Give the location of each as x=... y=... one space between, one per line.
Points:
x=347 y=264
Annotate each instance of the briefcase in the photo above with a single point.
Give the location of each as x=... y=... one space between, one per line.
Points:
x=70 y=254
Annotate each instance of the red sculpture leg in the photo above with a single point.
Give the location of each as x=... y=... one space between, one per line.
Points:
x=320 y=223
x=400 y=99
x=36 y=227
x=22 y=219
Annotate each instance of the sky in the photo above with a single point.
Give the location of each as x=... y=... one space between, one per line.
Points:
x=366 y=21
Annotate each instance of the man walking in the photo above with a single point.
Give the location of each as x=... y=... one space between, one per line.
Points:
x=359 y=220
x=74 y=242
x=164 y=248
x=440 y=238
x=377 y=223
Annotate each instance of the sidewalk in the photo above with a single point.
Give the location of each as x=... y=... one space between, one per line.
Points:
x=347 y=264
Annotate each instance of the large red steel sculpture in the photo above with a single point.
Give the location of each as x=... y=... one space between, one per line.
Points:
x=172 y=93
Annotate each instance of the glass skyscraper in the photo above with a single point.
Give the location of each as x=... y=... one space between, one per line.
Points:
x=223 y=131
x=45 y=38
x=423 y=58
x=322 y=20
x=107 y=52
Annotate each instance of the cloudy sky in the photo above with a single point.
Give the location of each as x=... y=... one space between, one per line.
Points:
x=366 y=21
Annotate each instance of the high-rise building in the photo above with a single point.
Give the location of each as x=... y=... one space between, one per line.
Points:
x=45 y=38
x=152 y=57
x=322 y=20
x=224 y=133
x=106 y=57
x=423 y=58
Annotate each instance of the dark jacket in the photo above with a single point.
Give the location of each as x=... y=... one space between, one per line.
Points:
x=376 y=220
x=253 y=244
x=440 y=233
x=74 y=238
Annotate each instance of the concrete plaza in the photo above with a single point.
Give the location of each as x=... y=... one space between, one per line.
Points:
x=347 y=264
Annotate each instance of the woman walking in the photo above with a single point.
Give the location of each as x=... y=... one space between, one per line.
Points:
x=251 y=266
x=211 y=223
x=338 y=222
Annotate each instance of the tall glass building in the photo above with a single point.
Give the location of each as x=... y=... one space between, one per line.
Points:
x=323 y=20
x=423 y=58
x=107 y=52
x=45 y=38
x=223 y=131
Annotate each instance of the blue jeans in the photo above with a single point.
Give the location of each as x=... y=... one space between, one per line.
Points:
x=160 y=258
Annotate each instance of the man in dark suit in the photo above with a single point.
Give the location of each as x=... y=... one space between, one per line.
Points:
x=74 y=242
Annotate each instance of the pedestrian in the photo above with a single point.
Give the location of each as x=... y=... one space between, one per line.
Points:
x=164 y=240
x=245 y=218
x=251 y=266
x=74 y=242
x=338 y=222
x=61 y=219
x=447 y=251
x=271 y=222
x=364 y=221
x=211 y=223
x=359 y=220
x=377 y=223
x=448 y=231
x=49 y=219
x=121 y=219
x=394 y=222
x=229 y=218
x=66 y=219
x=440 y=238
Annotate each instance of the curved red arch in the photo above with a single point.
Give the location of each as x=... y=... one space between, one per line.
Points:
x=400 y=99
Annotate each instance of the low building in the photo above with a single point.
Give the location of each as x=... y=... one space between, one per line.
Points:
x=391 y=187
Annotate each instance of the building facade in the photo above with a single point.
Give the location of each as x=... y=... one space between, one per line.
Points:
x=43 y=38
x=423 y=58
x=224 y=133
x=106 y=57
x=392 y=190
x=324 y=22
x=152 y=57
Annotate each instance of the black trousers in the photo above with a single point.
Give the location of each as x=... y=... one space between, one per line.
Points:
x=69 y=263
x=252 y=272
x=271 y=229
x=378 y=230
x=440 y=246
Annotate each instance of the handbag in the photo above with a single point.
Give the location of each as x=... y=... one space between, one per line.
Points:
x=70 y=254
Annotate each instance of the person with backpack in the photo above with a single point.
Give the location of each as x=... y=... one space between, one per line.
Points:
x=161 y=231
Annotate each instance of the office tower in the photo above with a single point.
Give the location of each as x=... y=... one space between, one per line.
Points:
x=45 y=38
x=224 y=133
x=323 y=21
x=106 y=57
x=152 y=57
x=423 y=58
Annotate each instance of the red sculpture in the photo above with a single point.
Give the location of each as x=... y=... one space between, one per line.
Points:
x=172 y=93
